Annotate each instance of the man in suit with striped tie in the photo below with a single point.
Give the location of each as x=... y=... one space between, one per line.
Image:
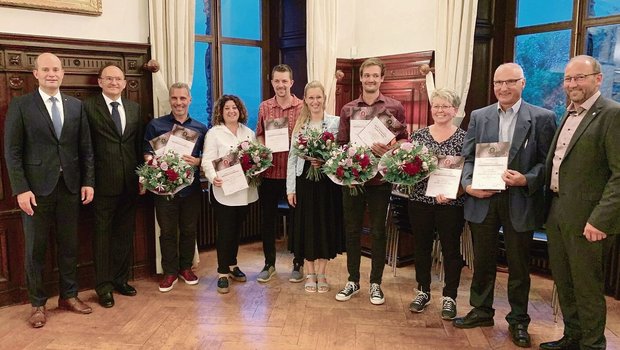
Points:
x=49 y=159
x=116 y=130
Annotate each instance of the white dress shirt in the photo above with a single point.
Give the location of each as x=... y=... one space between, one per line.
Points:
x=48 y=104
x=121 y=109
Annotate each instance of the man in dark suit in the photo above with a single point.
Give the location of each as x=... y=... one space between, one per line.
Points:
x=116 y=130
x=583 y=174
x=49 y=159
x=518 y=209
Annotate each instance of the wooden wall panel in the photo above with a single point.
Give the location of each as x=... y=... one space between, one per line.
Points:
x=81 y=60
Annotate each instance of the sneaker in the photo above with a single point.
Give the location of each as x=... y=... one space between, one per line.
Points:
x=420 y=301
x=266 y=274
x=237 y=275
x=222 y=285
x=167 y=283
x=297 y=275
x=188 y=276
x=448 y=308
x=376 y=295
x=349 y=290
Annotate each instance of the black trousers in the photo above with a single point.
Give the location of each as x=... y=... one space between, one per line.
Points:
x=270 y=192
x=377 y=199
x=178 y=220
x=229 y=220
x=115 y=218
x=448 y=221
x=485 y=236
x=60 y=208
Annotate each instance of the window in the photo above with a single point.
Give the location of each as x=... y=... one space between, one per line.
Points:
x=229 y=55
x=544 y=40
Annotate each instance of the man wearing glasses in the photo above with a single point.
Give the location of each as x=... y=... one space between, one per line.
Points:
x=583 y=175
x=518 y=210
x=116 y=131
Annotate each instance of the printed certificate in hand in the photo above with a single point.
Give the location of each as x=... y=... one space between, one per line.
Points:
x=446 y=178
x=179 y=145
x=229 y=170
x=276 y=134
x=491 y=162
x=375 y=132
x=360 y=117
x=159 y=143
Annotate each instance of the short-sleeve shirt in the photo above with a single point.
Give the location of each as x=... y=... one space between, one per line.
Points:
x=164 y=124
x=450 y=147
x=380 y=104
x=270 y=109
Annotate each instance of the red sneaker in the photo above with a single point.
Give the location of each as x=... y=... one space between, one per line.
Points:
x=188 y=276
x=167 y=283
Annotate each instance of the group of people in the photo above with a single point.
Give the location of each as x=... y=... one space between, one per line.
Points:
x=59 y=150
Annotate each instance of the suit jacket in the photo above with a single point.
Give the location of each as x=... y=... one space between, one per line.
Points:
x=534 y=130
x=589 y=179
x=33 y=153
x=116 y=156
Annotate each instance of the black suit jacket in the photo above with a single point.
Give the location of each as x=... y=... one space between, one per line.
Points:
x=116 y=156
x=34 y=155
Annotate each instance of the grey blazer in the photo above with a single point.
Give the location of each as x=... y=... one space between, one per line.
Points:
x=532 y=137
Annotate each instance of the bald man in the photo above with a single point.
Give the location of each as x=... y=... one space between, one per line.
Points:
x=518 y=209
x=49 y=158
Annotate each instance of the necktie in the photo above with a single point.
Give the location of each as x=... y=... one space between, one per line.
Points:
x=116 y=117
x=56 y=120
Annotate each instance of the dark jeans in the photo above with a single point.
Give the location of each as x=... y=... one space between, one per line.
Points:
x=60 y=208
x=229 y=220
x=485 y=236
x=115 y=218
x=577 y=267
x=377 y=199
x=178 y=220
x=270 y=192
x=448 y=221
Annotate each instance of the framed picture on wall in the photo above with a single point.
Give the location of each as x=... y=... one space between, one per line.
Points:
x=83 y=7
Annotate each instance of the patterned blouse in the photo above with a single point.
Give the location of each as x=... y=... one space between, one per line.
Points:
x=451 y=147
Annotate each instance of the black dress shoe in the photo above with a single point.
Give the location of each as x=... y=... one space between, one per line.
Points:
x=472 y=320
x=519 y=335
x=106 y=300
x=566 y=343
x=125 y=289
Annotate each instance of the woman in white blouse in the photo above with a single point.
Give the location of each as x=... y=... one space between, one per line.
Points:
x=229 y=129
x=317 y=225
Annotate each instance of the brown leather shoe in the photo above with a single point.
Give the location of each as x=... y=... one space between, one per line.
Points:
x=75 y=305
x=37 y=317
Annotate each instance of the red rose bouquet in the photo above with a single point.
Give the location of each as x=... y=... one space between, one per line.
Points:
x=407 y=165
x=165 y=174
x=313 y=144
x=254 y=158
x=351 y=165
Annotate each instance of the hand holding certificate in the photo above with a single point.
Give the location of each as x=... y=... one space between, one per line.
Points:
x=490 y=163
x=276 y=134
x=447 y=178
x=229 y=170
x=381 y=129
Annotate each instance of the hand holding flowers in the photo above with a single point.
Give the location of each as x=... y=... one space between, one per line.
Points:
x=254 y=158
x=165 y=174
x=351 y=165
x=407 y=165
x=316 y=146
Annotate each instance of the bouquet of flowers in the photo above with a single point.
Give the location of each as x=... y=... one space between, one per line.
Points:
x=314 y=144
x=165 y=174
x=254 y=158
x=407 y=165
x=351 y=165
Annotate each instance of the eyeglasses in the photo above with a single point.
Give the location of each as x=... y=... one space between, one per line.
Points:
x=111 y=79
x=438 y=108
x=509 y=82
x=579 y=78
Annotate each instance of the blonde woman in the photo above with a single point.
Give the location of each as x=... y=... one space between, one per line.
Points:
x=317 y=224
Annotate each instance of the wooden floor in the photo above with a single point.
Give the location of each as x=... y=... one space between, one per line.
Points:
x=280 y=315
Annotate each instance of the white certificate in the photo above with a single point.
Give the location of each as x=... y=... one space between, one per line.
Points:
x=233 y=178
x=446 y=178
x=490 y=163
x=355 y=127
x=179 y=145
x=276 y=134
x=375 y=132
